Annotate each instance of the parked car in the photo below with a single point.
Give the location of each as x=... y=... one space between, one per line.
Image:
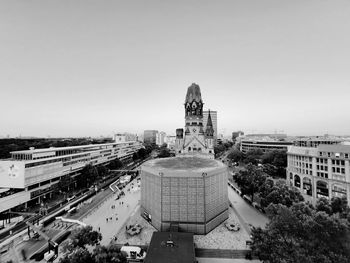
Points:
x=71 y=198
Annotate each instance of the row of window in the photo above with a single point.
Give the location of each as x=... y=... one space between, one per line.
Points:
x=66 y=159
x=323 y=175
x=337 y=155
x=301 y=158
x=338 y=162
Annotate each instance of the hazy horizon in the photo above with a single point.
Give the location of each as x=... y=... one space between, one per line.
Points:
x=90 y=68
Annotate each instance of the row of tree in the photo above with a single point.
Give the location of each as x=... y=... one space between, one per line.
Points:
x=297 y=232
x=255 y=183
x=76 y=249
x=274 y=162
x=221 y=148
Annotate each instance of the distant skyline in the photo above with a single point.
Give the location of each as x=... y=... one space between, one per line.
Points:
x=90 y=68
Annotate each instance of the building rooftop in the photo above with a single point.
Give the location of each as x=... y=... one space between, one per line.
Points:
x=319 y=138
x=69 y=147
x=334 y=148
x=171 y=247
x=184 y=163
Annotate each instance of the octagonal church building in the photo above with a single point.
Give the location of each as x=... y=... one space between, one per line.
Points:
x=187 y=193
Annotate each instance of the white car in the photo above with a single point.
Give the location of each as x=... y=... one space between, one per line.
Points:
x=133 y=252
x=70 y=198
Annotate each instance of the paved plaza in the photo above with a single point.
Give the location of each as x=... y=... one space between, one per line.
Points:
x=110 y=216
x=222 y=238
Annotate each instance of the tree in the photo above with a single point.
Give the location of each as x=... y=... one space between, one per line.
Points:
x=280 y=193
x=219 y=149
x=102 y=171
x=78 y=255
x=164 y=152
x=253 y=156
x=323 y=204
x=115 y=164
x=302 y=234
x=108 y=254
x=135 y=156
x=82 y=237
x=250 y=180
x=339 y=205
x=277 y=158
x=142 y=153
x=64 y=183
x=235 y=155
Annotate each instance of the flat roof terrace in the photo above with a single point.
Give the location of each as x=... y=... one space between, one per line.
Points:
x=194 y=164
x=171 y=247
x=184 y=166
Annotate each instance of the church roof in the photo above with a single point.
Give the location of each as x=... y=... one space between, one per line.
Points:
x=209 y=122
x=193 y=93
x=209 y=128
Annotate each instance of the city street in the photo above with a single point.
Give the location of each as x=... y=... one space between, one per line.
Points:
x=248 y=213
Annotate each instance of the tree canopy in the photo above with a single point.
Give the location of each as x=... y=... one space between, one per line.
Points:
x=279 y=193
x=115 y=164
x=302 y=234
x=82 y=237
x=76 y=251
x=235 y=155
x=110 y=254
x=250 y=180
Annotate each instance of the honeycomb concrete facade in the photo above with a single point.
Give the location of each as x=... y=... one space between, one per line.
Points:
x=188 y=192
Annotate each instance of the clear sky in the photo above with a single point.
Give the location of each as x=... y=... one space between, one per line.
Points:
x=87 y=68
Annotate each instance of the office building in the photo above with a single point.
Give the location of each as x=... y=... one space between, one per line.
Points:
x=265 y=145
x=150 y=136
x=125 y=137
x=322 y=171
x=30 y=175
x=160 y=138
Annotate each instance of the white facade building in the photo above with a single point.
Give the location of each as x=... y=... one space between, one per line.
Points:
x=31 y=174
x=322 y=171
x=160 y=138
